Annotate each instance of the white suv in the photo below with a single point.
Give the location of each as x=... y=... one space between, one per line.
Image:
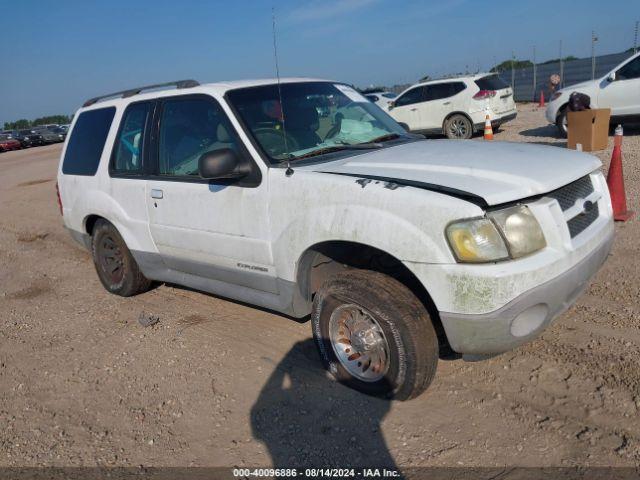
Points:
x=618 y=90
x=381 y=98
x=455 y=107
x=398 y=247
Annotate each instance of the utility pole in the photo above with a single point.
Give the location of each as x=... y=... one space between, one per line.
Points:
x=513 y=72
x=635 y=39
x=535 y=74
x=594 y=39
x=561 y=67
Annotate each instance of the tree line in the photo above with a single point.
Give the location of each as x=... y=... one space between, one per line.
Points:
x=24 y=123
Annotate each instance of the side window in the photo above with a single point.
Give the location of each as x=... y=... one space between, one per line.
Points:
x=630 y=71
x=189 y=128
x=127 y=153
x=414 y=95
x=444 y=90
x=456 y=88
x=438 y=91
x=86 y=144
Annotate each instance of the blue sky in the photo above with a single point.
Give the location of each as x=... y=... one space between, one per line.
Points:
x=58 y=53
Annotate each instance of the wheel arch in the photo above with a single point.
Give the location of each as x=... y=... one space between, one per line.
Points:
x=322 y=260
x=90 y=222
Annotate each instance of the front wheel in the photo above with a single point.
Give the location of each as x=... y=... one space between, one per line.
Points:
x=374 y=335
x=561 y=122
x=458 y=127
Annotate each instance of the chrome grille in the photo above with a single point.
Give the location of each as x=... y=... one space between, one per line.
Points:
x=567 y=196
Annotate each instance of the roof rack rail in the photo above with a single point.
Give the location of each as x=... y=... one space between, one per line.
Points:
x=134 y=91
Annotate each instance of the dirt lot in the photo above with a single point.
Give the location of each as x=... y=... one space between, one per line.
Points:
x=220 y=383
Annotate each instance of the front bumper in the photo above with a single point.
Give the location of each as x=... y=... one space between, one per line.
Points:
x=526 y=316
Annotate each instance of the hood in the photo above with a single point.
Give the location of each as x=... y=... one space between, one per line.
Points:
x=579 y=86
x=497 y=172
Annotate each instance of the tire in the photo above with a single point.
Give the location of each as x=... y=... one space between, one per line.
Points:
x=458 y=127
x=110 y=252
x=396 y=322
x=561 y=122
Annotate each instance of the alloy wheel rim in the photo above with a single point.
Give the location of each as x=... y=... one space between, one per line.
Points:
x=359 y=342
x=458 y=128
x=111 y=259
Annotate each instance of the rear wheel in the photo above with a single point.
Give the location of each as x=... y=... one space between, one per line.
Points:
x=116 y=267
x=458 y=127
x=374 y=335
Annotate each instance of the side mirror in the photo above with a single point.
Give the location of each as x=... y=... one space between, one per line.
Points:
x=391 y=105
x=223 y=163
x=611 y=77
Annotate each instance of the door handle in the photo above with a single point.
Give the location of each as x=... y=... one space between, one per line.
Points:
x=447 y=103
x=413 y=109
x=155 y=193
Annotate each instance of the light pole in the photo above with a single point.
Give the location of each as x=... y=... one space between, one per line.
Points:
x=561 y=67
x=513 y=72
x=594 y=39
x=535 y=73
x=635 y=39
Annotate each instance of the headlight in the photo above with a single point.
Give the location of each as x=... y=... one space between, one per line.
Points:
x=521 y=230
x=510 y=233
x=476 y=241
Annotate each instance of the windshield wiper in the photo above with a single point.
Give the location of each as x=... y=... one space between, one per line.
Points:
x=336 y=148
x=392 y=136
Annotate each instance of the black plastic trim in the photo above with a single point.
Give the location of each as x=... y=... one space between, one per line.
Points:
x=179 y=84
x=453 y=192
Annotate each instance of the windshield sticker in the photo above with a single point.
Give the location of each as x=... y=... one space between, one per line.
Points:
x=353 y=95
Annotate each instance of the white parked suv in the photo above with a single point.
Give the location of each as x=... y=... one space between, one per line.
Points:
x=455 y=107
x=381 y=98
x=398 y=247
x=618 y=90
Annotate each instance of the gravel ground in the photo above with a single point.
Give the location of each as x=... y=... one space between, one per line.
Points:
x=217 y=383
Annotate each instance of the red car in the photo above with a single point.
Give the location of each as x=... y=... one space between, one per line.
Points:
x=7 y=143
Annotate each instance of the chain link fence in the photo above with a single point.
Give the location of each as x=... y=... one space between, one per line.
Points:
x=573 y=71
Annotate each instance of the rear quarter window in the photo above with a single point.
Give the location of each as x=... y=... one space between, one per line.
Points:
x=491 y=82
x=87 y=140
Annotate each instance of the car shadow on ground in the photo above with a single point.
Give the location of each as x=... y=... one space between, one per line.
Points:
x=545 y=131
x=305 y=419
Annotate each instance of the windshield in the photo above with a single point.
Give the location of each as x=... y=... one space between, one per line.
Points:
x=319 y=118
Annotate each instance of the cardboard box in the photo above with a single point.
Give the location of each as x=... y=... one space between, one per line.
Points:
x=588 y=129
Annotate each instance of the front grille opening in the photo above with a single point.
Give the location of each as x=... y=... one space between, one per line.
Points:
x=567 y=195
x=580 y=222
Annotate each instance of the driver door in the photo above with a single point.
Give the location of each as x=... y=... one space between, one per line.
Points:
x=212 y=229
x=407 y=108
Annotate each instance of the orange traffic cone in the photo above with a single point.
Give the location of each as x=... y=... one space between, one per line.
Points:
x=541 y=104
x=615 y=180
x=488 y=131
